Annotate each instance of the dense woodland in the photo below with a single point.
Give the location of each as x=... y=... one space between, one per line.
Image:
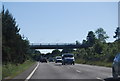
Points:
x=15 y=48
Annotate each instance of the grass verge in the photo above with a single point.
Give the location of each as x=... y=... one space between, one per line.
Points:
x=11 y=70
x=98 y=63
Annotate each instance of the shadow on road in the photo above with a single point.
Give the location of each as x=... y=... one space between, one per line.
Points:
x=111 y=79
x=58 y=64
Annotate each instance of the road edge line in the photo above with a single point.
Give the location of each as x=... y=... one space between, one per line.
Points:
x=32 y=72
x=99 y=78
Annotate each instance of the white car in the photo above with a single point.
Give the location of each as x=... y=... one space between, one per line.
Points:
x=68 y=58
x=58 y=59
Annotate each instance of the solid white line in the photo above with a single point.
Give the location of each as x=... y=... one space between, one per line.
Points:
x=32 y=72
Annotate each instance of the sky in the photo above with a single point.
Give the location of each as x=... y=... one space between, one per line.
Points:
x=63 y=22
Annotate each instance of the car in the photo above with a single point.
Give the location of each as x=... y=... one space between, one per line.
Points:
x=116 y=66
x=58 y=59
x=51 y=59
x=68 y=58
x=43 y=60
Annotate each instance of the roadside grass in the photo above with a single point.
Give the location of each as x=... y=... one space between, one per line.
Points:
x=98 y=63
x=9 y=71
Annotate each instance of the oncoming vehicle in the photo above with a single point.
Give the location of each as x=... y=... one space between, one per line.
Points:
x=58 y=59
x=68 y=58
x=116 y=66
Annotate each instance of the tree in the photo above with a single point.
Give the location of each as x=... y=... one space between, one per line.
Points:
x=14 y=47
x=91 y=38
x=117 y=33
x=98 y=47
x=67 y=50
x=84 y=42
x=77 y=42
x=48 y=55
x=36 y=55
x=117 y=36
x=56 y=52
x=101 y=35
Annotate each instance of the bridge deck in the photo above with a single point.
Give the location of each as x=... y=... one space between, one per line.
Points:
x=56 y=46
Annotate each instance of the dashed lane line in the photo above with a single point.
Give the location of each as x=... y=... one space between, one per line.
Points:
x=78 y=71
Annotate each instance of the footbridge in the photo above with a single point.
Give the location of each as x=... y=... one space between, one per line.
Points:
x=56 y=45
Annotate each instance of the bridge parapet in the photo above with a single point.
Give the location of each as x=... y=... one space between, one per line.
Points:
x=56 y=45
x=52 y=43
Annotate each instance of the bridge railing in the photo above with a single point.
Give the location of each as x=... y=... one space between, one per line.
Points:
x=52 y=43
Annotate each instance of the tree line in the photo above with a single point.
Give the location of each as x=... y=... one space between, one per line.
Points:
x=15 y=47
x=100 y=50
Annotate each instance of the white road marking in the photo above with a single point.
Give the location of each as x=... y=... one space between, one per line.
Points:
x=78 y=71
x=99 y=78
x=32 y=72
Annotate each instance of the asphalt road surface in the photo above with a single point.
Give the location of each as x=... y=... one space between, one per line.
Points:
x=58 y=72
x=77 y=71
